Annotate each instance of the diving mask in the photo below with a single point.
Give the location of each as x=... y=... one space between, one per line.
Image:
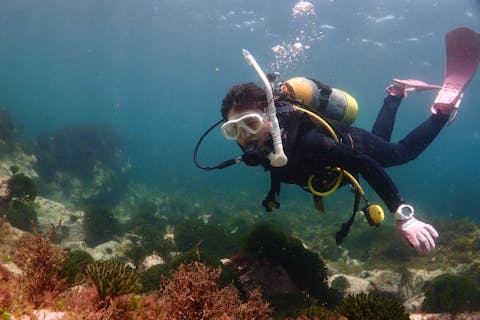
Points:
x=252 y=123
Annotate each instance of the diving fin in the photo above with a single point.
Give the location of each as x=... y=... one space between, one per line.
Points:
x=404 y=87
x=463 y=56
x=415 y=85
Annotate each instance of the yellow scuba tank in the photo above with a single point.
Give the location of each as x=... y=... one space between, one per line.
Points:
x=340 y=106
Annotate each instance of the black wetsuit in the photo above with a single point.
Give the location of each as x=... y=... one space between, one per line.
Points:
x=310 y=149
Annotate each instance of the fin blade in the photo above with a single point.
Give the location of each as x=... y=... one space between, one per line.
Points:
x=463 y=57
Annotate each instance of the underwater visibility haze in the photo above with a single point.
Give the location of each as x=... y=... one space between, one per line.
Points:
x=102 y=104
x=157 y=70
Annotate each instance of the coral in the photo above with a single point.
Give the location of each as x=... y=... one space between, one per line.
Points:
x=451 y=293
x=21 y=215
x=369 y=306
x=40 y=262
x=193 y=293
x=22 y=187
x=100 y=225
x=112 y=278
x=73 y=268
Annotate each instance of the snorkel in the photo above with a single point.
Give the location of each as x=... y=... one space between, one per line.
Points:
x=277 y=157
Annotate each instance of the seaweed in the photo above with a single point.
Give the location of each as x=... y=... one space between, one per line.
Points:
x=21 y=215
x=373 y=307
x=112 y=279
x=73 y=269
x=451 y=293
x=40 y=260
x=193 y=293
x=341 y=284
x=304 y=267
x=100 y=225
x=212 y=239
x=22 y=187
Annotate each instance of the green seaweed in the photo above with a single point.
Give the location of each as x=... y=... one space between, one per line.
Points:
x=152 y=277
x=21 y=215
x=363 y=306
x=73 y=269
x=100 y=225
x=451 y=293
x=341 y=284
x=304 y=266
x=211 y=239
x=112 y=279
x=22 y=187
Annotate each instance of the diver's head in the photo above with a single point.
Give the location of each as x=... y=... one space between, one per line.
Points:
x=243 y=111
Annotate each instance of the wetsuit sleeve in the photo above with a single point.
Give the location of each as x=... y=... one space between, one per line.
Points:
x=271 y=201
x=320 y=151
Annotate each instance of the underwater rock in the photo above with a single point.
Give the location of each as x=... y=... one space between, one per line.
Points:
x=72 y=221
x=445 y=316
x=150 y=261
x=357 y=284
x=22 y=162
x=391 y=283
x=81 y=163
x=9 y=237
x=111 y=250
x=42 y=314
x=5 y=195
x=16 y=163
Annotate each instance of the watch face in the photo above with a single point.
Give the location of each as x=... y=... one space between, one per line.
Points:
x=404 y=212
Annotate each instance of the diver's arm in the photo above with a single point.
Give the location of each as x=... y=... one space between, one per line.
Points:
x=323 y=151
x=271 y=201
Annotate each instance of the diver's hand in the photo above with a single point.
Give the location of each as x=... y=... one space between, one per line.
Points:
x=419 y=234
x=270 y=204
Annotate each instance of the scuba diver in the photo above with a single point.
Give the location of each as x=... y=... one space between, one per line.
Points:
x=309 y=141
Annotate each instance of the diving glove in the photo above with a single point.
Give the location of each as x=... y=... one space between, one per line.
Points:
x=419 y=234
x=271 y=202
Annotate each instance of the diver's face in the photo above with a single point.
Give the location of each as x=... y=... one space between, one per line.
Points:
x=247 y=126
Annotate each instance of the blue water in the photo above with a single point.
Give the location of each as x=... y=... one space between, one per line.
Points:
x=158 y=70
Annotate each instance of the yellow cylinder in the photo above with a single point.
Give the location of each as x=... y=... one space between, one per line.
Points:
x=375 y=214
x=341 y=106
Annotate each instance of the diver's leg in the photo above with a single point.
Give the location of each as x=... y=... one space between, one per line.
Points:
x=393 y=154
x=422 y=136
x=383 y=125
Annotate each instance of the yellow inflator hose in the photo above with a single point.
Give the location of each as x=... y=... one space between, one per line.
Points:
x=340 y=171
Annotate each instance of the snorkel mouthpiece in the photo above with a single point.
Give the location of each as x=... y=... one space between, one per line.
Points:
x=252 y=155
x=278 y=157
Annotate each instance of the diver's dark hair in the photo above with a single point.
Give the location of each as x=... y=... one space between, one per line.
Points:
x=242 y=97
